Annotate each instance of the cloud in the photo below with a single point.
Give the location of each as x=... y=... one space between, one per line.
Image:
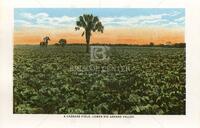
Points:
x=45 y=20
x=181 y=19
x=163 y=19
x=175 y=13
x=30 y=16
x=22 y=22
x=158 y=21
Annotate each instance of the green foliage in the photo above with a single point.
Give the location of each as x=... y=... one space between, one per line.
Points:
x=90 y=24
x=62 y=42
x=44 y=82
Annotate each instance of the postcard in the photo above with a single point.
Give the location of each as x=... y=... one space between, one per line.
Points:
x=98 y=63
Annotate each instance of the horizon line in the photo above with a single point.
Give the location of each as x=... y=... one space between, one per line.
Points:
x=166 y=43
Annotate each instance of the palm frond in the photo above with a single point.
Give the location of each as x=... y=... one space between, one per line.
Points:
x=77 y=28
x=99 y=27
x=89 y=23
x=83 y=34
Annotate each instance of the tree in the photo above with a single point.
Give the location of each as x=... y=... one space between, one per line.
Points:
x=90 y=24
x=45 y=41
x=62 y=42
x=151 y=44
x=168 y=43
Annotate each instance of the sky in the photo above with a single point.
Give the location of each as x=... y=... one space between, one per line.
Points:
x=121 y=25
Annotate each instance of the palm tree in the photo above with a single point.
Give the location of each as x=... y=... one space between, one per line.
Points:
x=90 y=24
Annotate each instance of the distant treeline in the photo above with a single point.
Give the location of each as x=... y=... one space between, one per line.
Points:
x=175 y=45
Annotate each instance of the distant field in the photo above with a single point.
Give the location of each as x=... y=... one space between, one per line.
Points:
x=135 y=80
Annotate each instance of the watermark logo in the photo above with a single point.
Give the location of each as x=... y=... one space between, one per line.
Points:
x=99 y=53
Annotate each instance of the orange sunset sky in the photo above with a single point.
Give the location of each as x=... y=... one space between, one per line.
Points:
x=158 y=26
x=119 y=36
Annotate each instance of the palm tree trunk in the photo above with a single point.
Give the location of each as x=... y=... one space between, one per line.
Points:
x=87 y=36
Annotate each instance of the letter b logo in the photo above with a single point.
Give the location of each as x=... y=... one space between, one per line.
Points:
x=99 y=53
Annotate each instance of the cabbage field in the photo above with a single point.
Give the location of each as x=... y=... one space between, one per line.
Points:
x=135 y=80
